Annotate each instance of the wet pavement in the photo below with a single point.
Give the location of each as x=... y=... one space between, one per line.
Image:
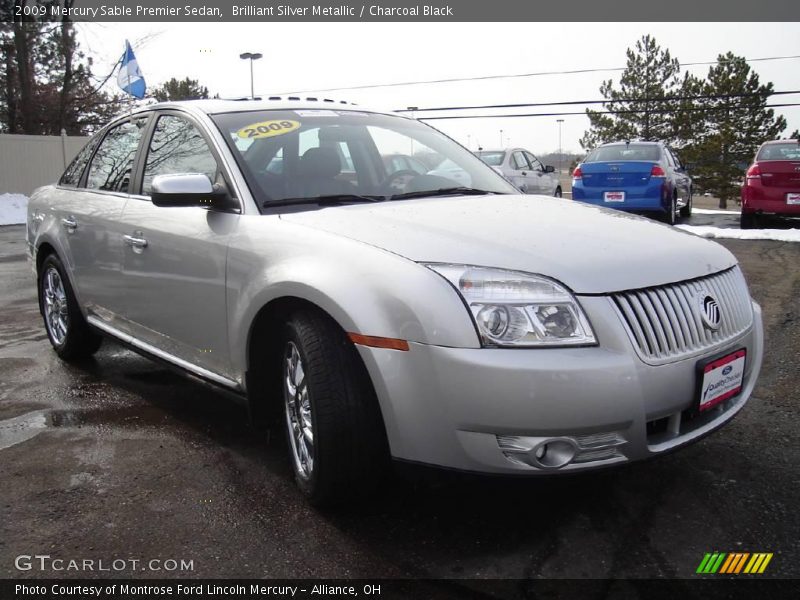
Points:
x=117 y=457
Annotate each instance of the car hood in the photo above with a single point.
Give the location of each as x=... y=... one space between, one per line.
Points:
x=591 y=250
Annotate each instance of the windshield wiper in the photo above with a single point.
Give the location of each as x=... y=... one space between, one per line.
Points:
x=330 y=199
x=451 y=191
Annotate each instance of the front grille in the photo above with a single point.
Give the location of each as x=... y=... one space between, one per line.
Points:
x=665 y=322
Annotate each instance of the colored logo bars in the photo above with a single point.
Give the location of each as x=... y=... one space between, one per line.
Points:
x=734 y=563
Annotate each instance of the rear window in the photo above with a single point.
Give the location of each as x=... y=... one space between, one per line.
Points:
x=625 y=152
x=788 y=151
x=494 y=159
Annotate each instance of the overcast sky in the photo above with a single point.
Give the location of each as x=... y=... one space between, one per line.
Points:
x=320 y=56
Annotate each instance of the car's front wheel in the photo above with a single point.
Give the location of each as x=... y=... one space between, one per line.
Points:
x=334 y=428
x=69 y=333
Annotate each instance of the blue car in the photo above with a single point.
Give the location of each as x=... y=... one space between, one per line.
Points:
x=637 y=177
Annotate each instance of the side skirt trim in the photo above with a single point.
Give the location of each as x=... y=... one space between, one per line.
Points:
x=137 y=344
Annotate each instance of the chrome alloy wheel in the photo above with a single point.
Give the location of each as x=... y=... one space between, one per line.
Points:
x=298 y=412
x=55 y=306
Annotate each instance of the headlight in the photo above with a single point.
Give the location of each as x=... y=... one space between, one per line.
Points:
x=518 y=309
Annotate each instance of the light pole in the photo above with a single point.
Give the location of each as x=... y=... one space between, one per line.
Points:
x=251 y=56
x=560 y=154
x=501 y=139
x=413 y=110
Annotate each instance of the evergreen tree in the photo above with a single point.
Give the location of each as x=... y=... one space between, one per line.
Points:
x=46 y=82
x=736 y=122
x=650 y=79
x=186 y=89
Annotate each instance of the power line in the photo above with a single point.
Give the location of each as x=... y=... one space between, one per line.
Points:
x=605 y=112
x=619 y=100
x=513 y=76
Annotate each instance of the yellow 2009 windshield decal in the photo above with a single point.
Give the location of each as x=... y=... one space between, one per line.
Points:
x=267 y=129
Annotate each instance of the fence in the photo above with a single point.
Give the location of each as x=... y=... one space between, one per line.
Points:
x=30 y=161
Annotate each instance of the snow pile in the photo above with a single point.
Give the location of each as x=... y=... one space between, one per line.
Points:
x=13 y=209
x=778 y=235
x=713 y=211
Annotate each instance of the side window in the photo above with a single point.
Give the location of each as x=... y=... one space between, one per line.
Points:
x=177 y=147
x=536 y=165
x=670 y=159
x=113 y=162
x=519 y=162
x=72 y=176
x=676 y=159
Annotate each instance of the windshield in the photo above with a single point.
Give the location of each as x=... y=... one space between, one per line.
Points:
x=494 y=159
x=624 y=152
x=301 y=154
x=788 y=151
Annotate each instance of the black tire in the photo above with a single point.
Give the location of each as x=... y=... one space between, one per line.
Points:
x=686 y=211
x=349 y=453
x=558 y=193
x=671 y=218
x=77 y=340
x=748 y=220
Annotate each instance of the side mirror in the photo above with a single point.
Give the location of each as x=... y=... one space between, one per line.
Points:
x=188 y=189
x=549 y=169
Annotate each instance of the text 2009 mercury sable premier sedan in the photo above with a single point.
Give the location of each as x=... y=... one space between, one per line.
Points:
x=266 y=247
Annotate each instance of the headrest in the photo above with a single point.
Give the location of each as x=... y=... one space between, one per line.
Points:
x=320 y=162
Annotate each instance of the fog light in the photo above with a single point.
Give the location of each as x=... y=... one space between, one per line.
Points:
x=555 y=454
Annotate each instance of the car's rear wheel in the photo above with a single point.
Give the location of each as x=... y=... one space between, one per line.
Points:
x=334 y=428
x=671 y=218
x=748 y=220
x=686 y=211
x=69 y=333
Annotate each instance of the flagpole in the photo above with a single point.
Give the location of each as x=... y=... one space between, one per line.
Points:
x=128 y=75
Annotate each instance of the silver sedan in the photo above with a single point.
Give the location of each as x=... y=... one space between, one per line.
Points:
x=376 y=314
x=524 y=170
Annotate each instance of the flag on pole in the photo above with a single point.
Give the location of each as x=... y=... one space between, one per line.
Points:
x=130 y=77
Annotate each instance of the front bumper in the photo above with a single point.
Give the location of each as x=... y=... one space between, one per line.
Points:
x=458 y=408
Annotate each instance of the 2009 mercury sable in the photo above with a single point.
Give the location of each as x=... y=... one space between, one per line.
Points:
x=266 y=247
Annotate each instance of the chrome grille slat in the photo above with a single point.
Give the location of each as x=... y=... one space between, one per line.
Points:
x=672 y=317
x=664 y=323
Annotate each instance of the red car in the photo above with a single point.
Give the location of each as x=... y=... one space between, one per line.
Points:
x=772 y=185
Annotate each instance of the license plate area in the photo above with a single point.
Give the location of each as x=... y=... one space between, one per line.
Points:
x=614 y=196
x=719 y=379
x=792 y=198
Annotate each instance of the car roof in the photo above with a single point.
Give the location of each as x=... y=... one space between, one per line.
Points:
x=771 y=142
x=215 y=106
x=640 y=142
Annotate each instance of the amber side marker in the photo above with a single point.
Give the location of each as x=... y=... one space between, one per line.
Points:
x=378 y=342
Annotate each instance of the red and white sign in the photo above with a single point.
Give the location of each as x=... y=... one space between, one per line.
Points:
x=614 y=196
x=722 y=379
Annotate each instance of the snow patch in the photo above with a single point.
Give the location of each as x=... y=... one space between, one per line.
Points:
x=712 y=211
x=778 y=235
x=13 y=209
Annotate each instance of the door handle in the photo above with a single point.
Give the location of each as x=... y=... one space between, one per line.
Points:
x=135 y=242
x=70 y=223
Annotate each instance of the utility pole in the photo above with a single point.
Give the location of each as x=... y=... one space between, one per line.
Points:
x=560 y=153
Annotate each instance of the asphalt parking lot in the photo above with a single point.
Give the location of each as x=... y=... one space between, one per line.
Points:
x=120 y=458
